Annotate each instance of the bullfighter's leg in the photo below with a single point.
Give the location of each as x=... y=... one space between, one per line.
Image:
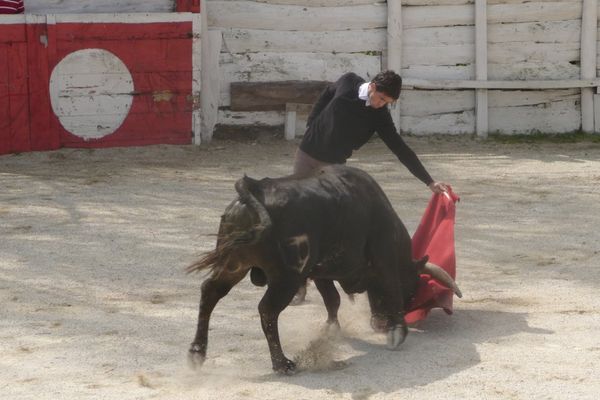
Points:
x=331 y=298
x=276 y=298
x=213 y=289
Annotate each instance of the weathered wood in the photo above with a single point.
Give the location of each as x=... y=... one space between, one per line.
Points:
x=264 y=96
x=481 y=71
x=263 y=67
x=210 y=94
x=253 y=15
x=589 y=30
x=394 y=47
x=474 y=84
x=555 y=117
x=97 y=6
x=260 y=40
x=318 y=3
x=198 y=21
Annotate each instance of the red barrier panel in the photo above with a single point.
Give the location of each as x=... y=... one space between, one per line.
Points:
x=95 y=81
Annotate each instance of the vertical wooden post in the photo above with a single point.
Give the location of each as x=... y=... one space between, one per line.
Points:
x=394 y=48
x=589 y=26
x=210 y=93
x=481 y=71
x=197 y=76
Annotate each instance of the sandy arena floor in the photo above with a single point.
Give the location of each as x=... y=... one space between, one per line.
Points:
x=95 y=303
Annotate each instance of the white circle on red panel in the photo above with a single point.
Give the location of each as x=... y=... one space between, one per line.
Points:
x=91 y=93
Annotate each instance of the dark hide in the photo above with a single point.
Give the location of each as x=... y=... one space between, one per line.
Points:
x=334 y=225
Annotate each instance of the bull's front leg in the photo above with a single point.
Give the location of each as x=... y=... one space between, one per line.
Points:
x=277 y=297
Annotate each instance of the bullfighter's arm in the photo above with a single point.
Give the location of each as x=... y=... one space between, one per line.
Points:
x=390 y=136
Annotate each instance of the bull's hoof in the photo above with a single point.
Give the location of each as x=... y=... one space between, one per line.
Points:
x=332 y=328
x=285 y=367
x=396 y=336
x=196 y=356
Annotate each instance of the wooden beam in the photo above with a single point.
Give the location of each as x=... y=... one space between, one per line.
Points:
x=266 y=96
x=210 y=92
x=589 y=28
x=394 y=48
x=481 y=67
x=456 y=84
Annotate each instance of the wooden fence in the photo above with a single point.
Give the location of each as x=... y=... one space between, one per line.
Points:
x=508 y=66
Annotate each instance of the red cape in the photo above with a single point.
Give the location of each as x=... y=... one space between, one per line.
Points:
x=434 y=237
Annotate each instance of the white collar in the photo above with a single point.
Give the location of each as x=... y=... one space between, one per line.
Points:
x=363 y=93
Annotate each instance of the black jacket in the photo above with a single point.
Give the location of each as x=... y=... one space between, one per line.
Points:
x=340 y=122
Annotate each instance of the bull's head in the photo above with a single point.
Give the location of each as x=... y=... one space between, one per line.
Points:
x=393 y=323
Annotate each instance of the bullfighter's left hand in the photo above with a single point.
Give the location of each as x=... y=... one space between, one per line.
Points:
x=438 y=187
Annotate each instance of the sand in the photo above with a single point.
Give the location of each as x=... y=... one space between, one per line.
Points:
x=96 y=305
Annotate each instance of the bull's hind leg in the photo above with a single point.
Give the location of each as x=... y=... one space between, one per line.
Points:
x=331 y=298
x=213 y=289
x=276 y=298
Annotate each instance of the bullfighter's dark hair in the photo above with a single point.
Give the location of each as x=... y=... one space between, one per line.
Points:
x=389 y=83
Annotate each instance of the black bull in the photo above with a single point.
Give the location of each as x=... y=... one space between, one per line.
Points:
x=336 y=224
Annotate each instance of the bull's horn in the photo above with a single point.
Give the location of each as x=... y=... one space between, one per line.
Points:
x=442 y=276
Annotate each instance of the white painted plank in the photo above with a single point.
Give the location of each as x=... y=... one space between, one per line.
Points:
x=538 y=98
x=394 y=48
x=533 y=71
x=444 y=72
x=589 y=30
x=253 y=15
x=210 y=75
x=422 y=103
x=534 y=12
x=318 y=3
x=535 y=32
x=453 y=124
x=263 y=67
x=458 y=84
x=260 y=40
x=481 y=68
x=97 y=6
x=198 y=21
x=428 y=16
x=438 y=55
x=99 y=104
x=514 y=52
x=555 y=117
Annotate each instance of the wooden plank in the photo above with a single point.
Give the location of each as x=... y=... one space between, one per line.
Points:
x=260 y=40
x=563 y=70
x=394 y=48
x=198 y=21
x=4 y=100
x=18 y=97
x=151 y=55
x=210 y=94
x=589 y=30
x=522 y=84
x=253 y=15
x=451 y=15
x=481 y=70
x=263 y=67
x=97 y=6
x=43 y=136
x=454 y=124
x=317 y=3
x=555 y=117
x=264 y=96
x=77 y=31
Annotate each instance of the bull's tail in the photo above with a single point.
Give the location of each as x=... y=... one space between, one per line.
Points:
x=231 y=237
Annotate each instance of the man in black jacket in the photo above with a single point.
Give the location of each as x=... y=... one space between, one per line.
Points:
x=347 y=115
x=344 y=118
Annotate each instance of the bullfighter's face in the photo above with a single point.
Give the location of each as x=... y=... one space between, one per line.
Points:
x=378 y=99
